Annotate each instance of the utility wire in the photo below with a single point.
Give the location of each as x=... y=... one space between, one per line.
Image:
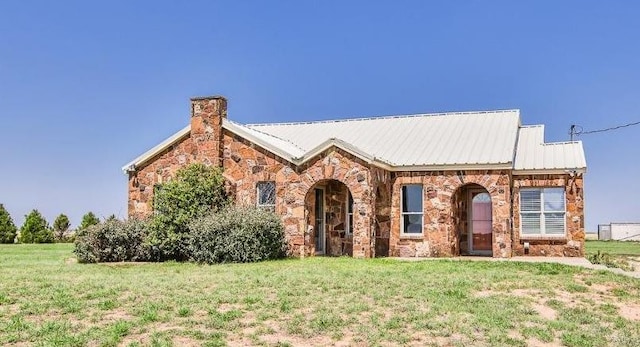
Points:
x=576 y=130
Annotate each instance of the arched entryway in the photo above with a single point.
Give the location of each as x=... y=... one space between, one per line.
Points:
x=472 y=212
x=330 y=218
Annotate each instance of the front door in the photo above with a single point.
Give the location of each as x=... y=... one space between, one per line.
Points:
x=320 y=239
x=480 y=224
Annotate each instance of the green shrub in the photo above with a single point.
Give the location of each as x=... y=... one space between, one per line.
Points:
x=197 y=190
x=8 y=230
x=111 y=241
x=35 y=229
x=237 y=234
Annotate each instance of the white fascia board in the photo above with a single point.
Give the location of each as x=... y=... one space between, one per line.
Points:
x=453 y=167
x=333 y=142
x=131 y=166
x=238 y=130
x=550 y=171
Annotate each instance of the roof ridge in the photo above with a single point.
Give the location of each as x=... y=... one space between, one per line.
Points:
x=416 y=115
x=270 y=135
x=532 y=126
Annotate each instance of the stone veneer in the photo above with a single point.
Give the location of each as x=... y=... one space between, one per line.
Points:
x=375 y=191
x=439 y=237
x=572 y=244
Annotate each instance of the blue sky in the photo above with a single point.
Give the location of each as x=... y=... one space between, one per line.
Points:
x=86 y=86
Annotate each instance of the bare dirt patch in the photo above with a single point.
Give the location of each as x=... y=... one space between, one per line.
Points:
x=143 y=339
x=528 y=293
x=545 y=311
x=185 y=341
x=569 y=299
x=116 y=315
x=484 y=293
x=630 y=311
x=602 y=288
x=533 y=342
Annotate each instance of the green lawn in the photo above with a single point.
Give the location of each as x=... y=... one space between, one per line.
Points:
x=628 y=248
x=47 y=299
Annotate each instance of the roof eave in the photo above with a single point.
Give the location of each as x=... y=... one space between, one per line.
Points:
x=238 y=130
x=146 y=156
x=517 y=172
x=453 y=167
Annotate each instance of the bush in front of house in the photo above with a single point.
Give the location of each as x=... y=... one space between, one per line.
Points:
x=8 y=230
x=35 y=229
x=196 y=190
x=112 y=241
x=236 y=234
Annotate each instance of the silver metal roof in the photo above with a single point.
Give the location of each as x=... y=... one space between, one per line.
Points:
x=426 y=140
x=443 y=141
x=533 y=154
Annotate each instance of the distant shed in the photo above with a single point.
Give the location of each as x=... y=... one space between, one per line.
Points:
x=604 y=232
x=619 y=231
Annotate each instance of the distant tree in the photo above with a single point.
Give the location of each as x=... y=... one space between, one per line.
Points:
x=111 y=218
x=60 y=227
x=35 y=229
x=88 y=220
x=8 y=230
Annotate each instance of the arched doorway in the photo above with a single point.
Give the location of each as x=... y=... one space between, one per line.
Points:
x=330 y=218
x=473 y=220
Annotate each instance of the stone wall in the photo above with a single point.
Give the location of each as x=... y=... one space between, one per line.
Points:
x=158 y=170
x=572 y=244
x=336 y=164
x=246 y=164
x=203 y=144
x=376 y=195
x=439 y=236
x=383 y=211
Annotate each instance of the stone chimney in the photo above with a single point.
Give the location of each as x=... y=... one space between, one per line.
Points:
x=207 y=113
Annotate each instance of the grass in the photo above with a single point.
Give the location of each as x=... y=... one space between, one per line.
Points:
x=618 y=254
x=625 y=248
x=47 y=299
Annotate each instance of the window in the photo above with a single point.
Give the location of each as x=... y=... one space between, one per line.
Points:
x=266 y=195
x=411 y=197
x=349 y=221
x=542 y=211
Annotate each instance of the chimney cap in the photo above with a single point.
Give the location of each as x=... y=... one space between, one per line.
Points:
x=212 y=97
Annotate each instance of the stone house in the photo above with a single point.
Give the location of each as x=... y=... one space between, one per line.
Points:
x=426 y=185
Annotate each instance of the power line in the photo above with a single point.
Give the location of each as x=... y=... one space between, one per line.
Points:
x=576 y=130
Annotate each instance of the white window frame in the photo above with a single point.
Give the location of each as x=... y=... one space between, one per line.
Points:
x=541 y=214
x=403 y=214
x=269 y=207
x=347 y=225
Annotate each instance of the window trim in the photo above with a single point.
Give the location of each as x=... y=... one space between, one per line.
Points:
x=541 y=214
x=347 y=226
x=402 y=213
x=269 y=207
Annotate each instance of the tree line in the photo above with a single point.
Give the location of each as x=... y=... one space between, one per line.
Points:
x=36 y=229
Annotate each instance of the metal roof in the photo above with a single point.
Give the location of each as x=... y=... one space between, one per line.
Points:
x=425 y=140
x=533 y=154
x=442 y=141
